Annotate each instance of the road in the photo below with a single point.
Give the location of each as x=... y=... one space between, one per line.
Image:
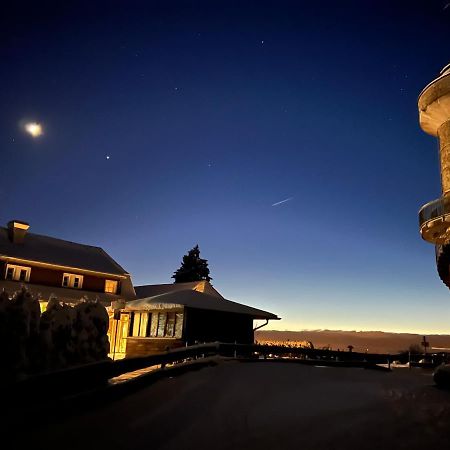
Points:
x=263 y=405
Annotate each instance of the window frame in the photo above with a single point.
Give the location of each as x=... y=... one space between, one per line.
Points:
x=71 y=277
x=140 y=324
x=115 y=283
x=16 y=272
x=157 y=324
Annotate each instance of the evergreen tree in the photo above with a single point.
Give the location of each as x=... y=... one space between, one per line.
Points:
x=193 y=268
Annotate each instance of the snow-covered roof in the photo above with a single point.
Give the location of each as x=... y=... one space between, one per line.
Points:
x=151 y=290
x=192 y=298
x=49 y=250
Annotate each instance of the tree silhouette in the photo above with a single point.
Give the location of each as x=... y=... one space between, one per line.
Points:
x=193 y=268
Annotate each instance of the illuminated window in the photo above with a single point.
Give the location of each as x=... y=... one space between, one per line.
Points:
x=162 y=324
x=17 y=273
x=140 y=324
x=143 y=329
x=162 y=319
x=73 y=281
x=136 y=324
x=111 y=286
x=166 y=324
x=170 y=325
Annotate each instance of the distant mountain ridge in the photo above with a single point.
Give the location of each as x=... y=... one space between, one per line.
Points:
x=372 y=341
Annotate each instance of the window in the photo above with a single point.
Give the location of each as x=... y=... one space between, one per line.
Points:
x=140 y=324
x=162 y=318
x=136 y=324
x=17 y=273
x=111 y=286
x=143 y=329
x=158 y=324
x=167 y=324
x=73 y=281
x=170 y=325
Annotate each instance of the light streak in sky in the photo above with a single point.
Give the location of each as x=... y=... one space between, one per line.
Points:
x=283 y=201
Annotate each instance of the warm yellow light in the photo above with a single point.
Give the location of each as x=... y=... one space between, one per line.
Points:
x=35 y=129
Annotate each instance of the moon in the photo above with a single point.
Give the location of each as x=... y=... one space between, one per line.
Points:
x=34 y=129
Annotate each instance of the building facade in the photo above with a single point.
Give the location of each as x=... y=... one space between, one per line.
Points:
x=67 y=270
x=168 y=316
x=143 y=320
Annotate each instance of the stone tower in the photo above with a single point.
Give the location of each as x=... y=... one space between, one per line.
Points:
x=434 y=217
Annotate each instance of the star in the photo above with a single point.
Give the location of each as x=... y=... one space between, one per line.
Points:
x=262 y=42
x=33 y=128
x=107 y=156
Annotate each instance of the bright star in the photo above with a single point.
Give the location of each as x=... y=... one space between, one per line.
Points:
x=107 y=156
x=33 y=128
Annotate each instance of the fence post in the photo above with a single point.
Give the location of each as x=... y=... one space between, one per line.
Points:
x=235 y=349
x=409 y=360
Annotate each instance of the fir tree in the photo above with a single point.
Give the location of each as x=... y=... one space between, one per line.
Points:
x=193 y=268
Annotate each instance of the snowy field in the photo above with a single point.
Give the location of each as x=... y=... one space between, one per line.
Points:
x=261 y=405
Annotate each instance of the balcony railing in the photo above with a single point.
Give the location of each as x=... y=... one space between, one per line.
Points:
x=434 y=221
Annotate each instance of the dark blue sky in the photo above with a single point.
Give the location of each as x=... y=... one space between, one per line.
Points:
x=211 y=112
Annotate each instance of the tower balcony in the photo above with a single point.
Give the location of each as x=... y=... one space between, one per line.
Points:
x=434 y=221
x=434 y=103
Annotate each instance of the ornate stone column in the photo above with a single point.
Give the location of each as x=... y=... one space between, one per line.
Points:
x=444 y=149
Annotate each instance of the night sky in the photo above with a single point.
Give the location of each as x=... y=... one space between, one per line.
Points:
x=169 y=124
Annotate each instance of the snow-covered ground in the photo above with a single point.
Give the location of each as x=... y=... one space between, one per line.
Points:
x=266 y=405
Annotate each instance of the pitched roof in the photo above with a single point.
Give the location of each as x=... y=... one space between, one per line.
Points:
x=151 y=290
x=194 y=299
x=45 y=249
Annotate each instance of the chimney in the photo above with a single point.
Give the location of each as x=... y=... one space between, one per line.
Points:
x=17 y=231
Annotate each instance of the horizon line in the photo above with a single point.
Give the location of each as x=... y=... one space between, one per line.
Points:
x=433 y=333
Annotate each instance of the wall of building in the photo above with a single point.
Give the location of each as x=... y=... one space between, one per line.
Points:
x=210 y=326
x=53 y=277
x=137 y=346
x=198 y=326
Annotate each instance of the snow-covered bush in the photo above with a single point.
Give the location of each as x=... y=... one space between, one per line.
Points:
x=91 y=326
x=62 y=336
x=20 y=317
x=57 y=334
